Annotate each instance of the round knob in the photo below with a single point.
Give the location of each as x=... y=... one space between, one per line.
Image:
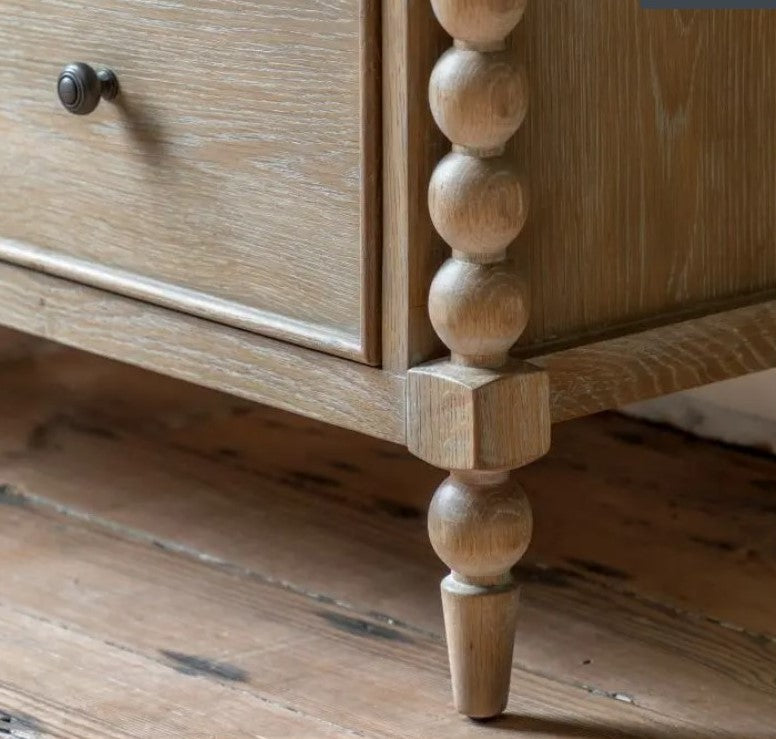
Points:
x=80 y=88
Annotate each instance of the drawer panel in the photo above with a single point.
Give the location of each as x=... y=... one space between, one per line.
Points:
x=235 y=176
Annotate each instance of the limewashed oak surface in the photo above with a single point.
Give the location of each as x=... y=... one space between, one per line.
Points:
x=271 y=207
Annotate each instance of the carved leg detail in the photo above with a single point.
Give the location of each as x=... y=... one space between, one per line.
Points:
x=479 y=413
x=480 y=525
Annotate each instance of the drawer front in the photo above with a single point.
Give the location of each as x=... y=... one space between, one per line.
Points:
x=234 y=177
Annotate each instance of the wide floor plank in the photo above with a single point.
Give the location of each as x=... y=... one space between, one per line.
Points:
x=254 y=642
x=58 y=681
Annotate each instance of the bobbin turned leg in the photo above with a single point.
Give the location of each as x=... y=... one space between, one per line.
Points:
x=478 y=414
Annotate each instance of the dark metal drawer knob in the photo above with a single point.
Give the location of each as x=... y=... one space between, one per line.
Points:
x=80 y=88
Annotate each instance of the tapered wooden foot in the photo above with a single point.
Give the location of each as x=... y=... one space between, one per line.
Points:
x=480 y=525
x=480 y=628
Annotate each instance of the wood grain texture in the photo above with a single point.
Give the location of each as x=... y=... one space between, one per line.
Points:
x=412 y=250
x=646 y=149
x=479 y=524
x=478 y=205
x=478 y=414
x=478 y=310
x=238 y=168
x=723 y=135
x=658 y=590
x=610 y=373
x=61 y=682
x=336 y=390
x=469 y=418
x=480 y=626
x=601 y=375
x=604 y=374
x=243 y=649
x=651 y=188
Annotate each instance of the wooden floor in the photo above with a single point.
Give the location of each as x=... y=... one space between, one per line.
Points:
x=178 y=563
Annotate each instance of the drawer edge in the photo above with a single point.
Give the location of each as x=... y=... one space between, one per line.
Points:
x=337 y=391
x=196 y=303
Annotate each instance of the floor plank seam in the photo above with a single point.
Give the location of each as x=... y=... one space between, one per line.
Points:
x=98 y=427
x=166 y=665
x=16 y=496
x=50 y=731
x=591 y=690
x=677 y=611
x=352 y=505
x=653 y=603
x=40 y=504
x=296 y=483
x=8 y=491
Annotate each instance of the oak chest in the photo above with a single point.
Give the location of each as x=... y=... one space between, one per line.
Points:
x=447 y=223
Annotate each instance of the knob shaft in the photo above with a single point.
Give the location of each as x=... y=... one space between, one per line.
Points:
x=80 y=87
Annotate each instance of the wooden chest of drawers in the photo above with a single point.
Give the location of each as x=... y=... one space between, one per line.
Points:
x=268 y=203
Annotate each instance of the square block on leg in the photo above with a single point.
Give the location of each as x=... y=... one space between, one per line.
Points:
x=464 y=418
